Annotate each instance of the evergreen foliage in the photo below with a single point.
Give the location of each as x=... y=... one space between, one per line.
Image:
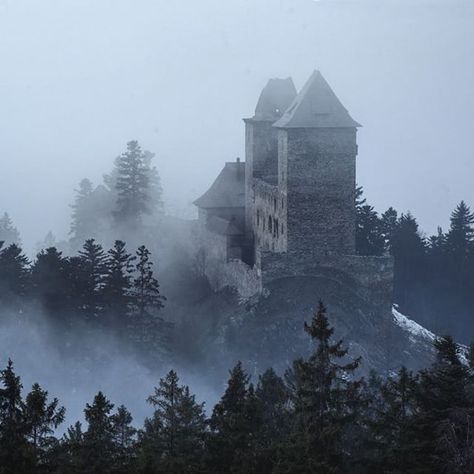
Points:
x=320 y=419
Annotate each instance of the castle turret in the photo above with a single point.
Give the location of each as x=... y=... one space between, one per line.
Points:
x=317 y=170
x=261 y=139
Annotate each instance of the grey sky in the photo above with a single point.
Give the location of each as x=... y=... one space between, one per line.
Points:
x=79 y=78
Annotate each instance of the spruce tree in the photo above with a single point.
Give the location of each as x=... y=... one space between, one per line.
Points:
x=42 y=418
x=132 y=186
x=234 y=426
x=49 y=283
x=71 y=453
x=146 y=289
x=124 y=435
x=443 y=401
x=8 y=232
x=94 y=269
x=118 y=284
x=392 y=429
x=173 y=439
x=369 y=236
x=99 y=449
x=82 y=227
x=15 y=455
x=327 y=404
x=14 y=276
x=274 y=419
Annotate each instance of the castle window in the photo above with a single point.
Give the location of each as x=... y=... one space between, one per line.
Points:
x=282 y=229
x=274 y=204
x=282 y=203
x=258 y=217
x=270 y=224
x=277 y=228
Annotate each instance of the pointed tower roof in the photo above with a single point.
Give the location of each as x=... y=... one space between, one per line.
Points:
x=316 y=106
x=275 y=98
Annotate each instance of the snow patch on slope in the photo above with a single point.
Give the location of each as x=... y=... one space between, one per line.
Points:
x=414 y=329
x=417 y=331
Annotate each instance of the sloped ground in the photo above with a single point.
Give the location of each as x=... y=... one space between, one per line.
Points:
x=218 y=329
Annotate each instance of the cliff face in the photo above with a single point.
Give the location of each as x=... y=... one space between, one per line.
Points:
x=267 y=330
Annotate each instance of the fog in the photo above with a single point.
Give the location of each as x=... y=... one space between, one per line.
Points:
x=103 y=364
x=79 y=78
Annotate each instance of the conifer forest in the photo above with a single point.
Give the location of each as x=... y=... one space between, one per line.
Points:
x=236 y=237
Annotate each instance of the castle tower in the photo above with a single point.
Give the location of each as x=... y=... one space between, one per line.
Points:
x=317 y=171
x=261 y=139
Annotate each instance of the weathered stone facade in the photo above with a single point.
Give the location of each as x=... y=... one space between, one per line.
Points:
x=293 y=212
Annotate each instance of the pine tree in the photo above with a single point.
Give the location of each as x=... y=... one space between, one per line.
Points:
x=173 y=439
x=99 y=448
x=132 y=186
x=15 y=455
x=8 y=232
x=392 y=430
x=443 y=400
x=94 y=269
x=81 y=228
x=234 y=425
x=118 y=283
x=70 y=456
x=388 y=227
x=326 y=403
x=274 y=419
x=146 y=289
x=369 y=237
x=460 y=238
x=409 y=251
x=14 y=275
x=41 y=419
x=124 y=435
x=49 y=284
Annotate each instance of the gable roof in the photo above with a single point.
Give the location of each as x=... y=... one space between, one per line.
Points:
x=274 y=99
x=316 y=106
x=228 y=190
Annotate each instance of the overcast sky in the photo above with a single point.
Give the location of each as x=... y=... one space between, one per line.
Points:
x=79 y=78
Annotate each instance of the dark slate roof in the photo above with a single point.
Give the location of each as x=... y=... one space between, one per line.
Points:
x=316 y=106
x=275 y=98
x=228 y=190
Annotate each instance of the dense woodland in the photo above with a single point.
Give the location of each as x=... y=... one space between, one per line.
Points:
x=434 y=276
x=318 y=418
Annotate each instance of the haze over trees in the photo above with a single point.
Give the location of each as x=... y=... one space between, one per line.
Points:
x=129 y=200
x=319 y=417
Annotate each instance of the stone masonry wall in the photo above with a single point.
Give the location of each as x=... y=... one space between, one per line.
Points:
x=369 y=277
x=260 y=160
x=317 y=174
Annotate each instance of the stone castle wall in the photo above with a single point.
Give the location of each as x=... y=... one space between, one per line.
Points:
x=371 y=278
x=317 y=175
x=269 y=220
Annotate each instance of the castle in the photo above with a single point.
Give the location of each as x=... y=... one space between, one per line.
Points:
x=289 y=210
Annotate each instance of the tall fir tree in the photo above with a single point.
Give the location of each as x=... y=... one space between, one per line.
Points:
x=124 y=435
x=42 y=418
x=173 y=439
x=99 y=448
x=15 y=455
x=327 y=402
x=14 y=276
x=8 y=232
x=118 y=284
x=132 y=186
x=369 y=237
x=234 y=426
